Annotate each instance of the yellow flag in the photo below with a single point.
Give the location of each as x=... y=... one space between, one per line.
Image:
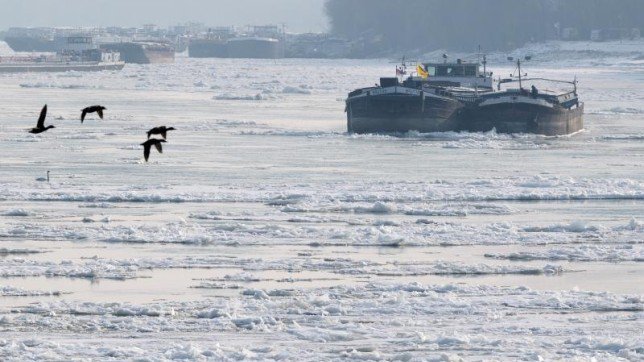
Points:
x=421 y=71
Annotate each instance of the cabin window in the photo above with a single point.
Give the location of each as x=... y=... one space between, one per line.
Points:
x=456 y=70
x=450 y=71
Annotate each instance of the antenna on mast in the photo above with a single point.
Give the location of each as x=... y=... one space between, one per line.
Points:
x=527 y=57
x=402 y=70
x=574 y=82
x=519 y=69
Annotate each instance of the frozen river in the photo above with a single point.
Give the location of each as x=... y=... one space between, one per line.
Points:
x=265 y=231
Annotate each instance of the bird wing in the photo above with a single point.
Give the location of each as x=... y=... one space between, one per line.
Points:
x=152 y=131
x=163 y=134
x=146 y=152
x=159 y=147
x=100 y=113
x=83 y=115
x=41 y=119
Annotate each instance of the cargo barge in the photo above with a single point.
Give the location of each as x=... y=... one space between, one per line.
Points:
x=132 y=48
x=143 y=52
x=260 y=42
x=89 y=61
x=441 y=97
x=242 y=47
x=208 y=48
x=36 y=39
x=78 y=54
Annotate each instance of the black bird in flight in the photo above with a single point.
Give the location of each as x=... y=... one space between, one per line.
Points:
x=148 y=144
x=40 y=126
x=160 y=130
x=92 y=109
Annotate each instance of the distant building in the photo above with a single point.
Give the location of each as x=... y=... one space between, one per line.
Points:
x=189 y=28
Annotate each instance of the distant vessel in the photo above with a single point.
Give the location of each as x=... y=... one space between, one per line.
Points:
x=32 y=44
x=243 y=47
x=261 y=42
x=79 y=54
x=34 y=40
x=460 y=97
x=255 y=47
x=208 y=48
x=89 y=61
x=132 y=50
x=143 y=51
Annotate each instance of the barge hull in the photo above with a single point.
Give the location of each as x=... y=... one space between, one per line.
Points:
x=400 y=114
x=140 y=53
x=32 y=44
x=523 y=118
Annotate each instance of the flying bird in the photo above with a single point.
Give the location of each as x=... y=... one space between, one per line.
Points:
x=148 y=144
x=160 y=130
x=40 y=126
x=92 y=109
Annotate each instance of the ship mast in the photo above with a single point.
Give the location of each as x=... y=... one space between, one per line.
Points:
x=527 y=57
x=519 y=68
x=400 y=72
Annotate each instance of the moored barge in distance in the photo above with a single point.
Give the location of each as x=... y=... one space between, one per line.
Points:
x=259 y=42
x=208 y=48
x=36 y=39
x=143 y=51
x=255 y=47
x=243 y=47
x=459 y=97
x=91 y=60
x=78 y=54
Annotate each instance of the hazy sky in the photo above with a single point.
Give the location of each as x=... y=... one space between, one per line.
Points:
x=298 y=15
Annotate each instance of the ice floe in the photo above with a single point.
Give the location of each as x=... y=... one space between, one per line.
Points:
x=383 y=321
x=594 y=252
x=10 y=291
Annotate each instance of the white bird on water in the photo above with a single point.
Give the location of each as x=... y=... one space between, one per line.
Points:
x=44 y=178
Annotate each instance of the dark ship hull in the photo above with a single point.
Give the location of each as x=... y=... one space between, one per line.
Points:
x=32 y=44
x=523 y=118
x=207 y=48
x=400 y=113
x=142 y=53
x=400 y=110
x=395 y=108
x=256 y=48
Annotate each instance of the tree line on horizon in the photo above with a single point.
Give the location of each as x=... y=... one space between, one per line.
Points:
x=383 y=26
